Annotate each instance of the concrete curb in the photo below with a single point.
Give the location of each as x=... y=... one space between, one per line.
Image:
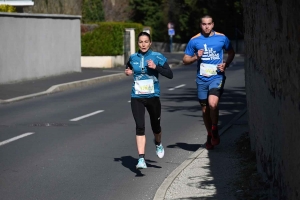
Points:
x=67 y=86
x=161 y=192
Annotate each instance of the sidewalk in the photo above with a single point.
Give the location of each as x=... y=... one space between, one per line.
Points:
x=208 y=174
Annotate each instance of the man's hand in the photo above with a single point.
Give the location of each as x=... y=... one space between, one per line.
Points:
x=199 y=53
x=191 y=59
x=222 y=67
x=128 y=72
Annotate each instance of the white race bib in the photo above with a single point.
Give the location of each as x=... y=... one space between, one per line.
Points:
x=208 y=69
x=144 y=86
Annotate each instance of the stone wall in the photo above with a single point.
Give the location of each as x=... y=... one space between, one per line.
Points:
x=272 y=70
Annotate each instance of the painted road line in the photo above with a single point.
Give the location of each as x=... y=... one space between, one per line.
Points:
x=15 y=138
x=179 y=86
x=85 y=116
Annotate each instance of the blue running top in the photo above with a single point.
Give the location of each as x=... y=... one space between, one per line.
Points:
x=213 y=52
x=146 y=84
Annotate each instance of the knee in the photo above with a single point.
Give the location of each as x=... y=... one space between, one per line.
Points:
x=213 y=106
x=205 y=110
x=157 y=130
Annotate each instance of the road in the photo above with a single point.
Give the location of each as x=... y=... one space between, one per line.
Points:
x=80 y=144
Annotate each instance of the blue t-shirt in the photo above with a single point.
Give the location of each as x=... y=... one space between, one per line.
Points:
x=146 y=84
x=213 y=52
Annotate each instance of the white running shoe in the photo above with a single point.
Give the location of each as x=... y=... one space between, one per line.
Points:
x=160 y=152
x=141 y=164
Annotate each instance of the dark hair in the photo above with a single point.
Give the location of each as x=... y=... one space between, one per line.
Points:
x=144 y=34
x=207 y=16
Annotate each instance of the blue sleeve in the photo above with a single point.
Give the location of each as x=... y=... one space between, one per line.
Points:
x=227 y=45
x=189 y=50
x=161 y=60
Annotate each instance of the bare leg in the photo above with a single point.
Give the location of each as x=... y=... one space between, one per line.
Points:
x=206 y=118
x=214 y=110
x=214 y=114
x=141 y=143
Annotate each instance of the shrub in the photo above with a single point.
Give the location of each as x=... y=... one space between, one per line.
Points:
x=7 y=8
x=106 y=39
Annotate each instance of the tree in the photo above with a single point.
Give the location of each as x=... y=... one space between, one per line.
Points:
x=117 y=10
x=68 y=7
x=150 y=13
x=92 y=11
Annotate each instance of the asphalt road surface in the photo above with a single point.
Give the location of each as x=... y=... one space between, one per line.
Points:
x=80 y=144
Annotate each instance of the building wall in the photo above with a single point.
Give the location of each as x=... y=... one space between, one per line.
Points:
x=35 y=46
x=272 y=70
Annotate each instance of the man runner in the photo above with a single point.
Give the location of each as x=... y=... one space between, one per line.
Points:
x=207 y=49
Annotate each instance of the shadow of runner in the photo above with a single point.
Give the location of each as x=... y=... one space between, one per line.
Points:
x=130 y=163
x=185 y=146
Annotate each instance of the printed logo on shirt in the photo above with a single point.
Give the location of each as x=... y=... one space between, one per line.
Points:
x=210 y=54
x=159 y=57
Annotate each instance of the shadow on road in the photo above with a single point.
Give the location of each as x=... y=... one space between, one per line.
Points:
x=130 y=162
x=185 y=146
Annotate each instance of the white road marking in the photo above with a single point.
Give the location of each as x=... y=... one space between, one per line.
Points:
x=15 y=138
x=179 y=86
x=85 y=116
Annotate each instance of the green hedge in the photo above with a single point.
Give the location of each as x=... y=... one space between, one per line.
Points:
x=106 y=39
x=7 y=8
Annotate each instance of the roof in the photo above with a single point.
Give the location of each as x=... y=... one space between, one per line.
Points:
x=17 y=2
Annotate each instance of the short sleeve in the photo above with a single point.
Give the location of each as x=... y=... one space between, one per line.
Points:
x=189 y=50
x=161 y=59
x=227 y=44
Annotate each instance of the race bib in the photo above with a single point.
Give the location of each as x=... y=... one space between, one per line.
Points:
x=144 y=86
x=208 y=69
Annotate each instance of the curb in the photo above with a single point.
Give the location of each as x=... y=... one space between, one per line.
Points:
x=161 y=191
x=70 y=85
x=67 y=86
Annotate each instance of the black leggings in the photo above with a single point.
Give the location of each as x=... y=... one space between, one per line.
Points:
x=153 y=107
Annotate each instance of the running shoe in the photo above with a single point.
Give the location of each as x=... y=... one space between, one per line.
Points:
x=215 y=139
x=141 y=164
x=160 y=152
x=208 y=144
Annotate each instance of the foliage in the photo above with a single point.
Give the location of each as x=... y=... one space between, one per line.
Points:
x=106 y=39
x=227 y=15
x=7 y=8
x=185 y=15
x=68 y=7
x=92 y=11
x=150 y=13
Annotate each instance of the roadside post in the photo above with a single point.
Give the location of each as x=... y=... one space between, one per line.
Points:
x=171 y=32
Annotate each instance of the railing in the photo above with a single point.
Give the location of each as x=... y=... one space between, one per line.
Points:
x=18 y=2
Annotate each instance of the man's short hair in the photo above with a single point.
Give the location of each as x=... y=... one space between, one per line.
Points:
x=207 y=16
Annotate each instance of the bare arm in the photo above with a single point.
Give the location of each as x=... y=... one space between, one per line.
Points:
x=229 y=59
x=187 y=60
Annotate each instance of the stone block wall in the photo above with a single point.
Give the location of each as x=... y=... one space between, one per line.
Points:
x=272 y=70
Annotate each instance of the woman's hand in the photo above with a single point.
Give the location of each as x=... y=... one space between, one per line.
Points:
x=151 y=64
x=128 y=72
